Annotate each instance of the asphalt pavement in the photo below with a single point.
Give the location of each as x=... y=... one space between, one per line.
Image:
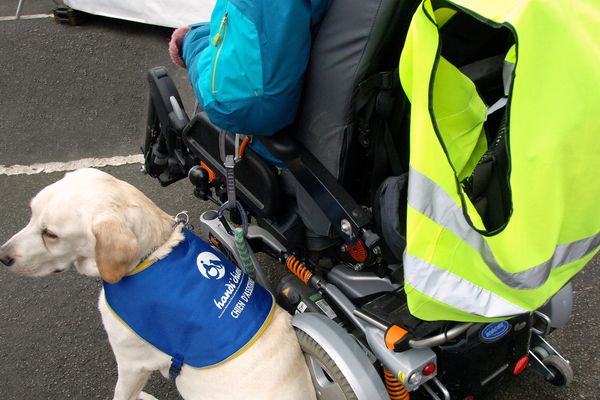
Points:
x=68 y=93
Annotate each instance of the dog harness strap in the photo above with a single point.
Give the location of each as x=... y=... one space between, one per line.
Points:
x=176 y=364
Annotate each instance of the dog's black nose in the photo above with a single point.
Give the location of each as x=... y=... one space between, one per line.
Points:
x=6 y=260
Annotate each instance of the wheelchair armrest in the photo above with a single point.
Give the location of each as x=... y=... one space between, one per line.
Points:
x=166 y=101
x=281 y=145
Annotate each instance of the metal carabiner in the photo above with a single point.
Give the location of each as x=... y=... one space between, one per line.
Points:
x=224 y=207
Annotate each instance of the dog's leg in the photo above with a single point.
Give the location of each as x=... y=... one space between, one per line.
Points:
x=146 y=396
x=130 y=384
x=135 y=358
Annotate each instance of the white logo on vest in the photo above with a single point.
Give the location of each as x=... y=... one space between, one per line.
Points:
x=210 y=266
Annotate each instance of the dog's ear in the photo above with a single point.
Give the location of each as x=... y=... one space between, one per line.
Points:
x=116 y=248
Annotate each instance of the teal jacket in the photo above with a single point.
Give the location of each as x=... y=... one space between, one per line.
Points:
x=247 y=64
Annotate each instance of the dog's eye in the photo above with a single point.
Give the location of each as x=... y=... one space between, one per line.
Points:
x=49 y=235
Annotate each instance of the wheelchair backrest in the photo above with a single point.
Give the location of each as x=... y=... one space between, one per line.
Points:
x=357 y=39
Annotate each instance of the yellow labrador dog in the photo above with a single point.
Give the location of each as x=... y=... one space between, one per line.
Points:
x=105 y=227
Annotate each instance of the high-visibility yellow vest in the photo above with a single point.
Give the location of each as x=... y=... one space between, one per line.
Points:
x=456 y=267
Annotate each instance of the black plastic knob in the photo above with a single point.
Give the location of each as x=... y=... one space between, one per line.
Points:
x=199 y=178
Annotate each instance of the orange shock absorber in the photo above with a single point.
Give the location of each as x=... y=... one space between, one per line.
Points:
x=395 y=389
x=298 y=268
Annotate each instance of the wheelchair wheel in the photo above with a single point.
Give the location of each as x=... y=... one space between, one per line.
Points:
x=329 y=382
x=563 y=373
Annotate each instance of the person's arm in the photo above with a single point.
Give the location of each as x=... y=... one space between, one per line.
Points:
x=188 y=42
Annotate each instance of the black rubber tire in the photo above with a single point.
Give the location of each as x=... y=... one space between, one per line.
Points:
x=312 y=349
x=563 y=373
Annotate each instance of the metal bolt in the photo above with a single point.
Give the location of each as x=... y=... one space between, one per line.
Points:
x=377 y=250
x=346 y=227
x=358 y=266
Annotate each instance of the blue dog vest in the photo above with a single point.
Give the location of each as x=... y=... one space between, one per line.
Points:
x=194 y=305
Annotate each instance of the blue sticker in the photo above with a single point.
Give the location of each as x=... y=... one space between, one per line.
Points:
x=495 y=331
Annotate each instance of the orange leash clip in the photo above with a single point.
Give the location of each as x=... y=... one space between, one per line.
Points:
x=243 y=146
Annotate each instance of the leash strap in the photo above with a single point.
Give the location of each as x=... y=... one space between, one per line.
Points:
x=230 y=180
x=175 y=368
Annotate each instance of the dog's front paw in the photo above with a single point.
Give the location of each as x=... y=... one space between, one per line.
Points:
x=146 y=396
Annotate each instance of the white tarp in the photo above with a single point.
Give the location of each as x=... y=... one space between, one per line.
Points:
x=174 y=13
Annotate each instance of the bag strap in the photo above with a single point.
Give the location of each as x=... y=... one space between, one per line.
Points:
x=365 y=101
x=375 y=105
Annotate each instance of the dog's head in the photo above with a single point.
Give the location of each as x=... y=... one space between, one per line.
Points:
x=89 y=220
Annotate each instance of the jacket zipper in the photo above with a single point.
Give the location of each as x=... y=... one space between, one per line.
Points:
x=218 y=40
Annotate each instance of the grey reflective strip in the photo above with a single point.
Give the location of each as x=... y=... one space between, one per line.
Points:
x=497 y=105
x=455 y=291
x=507 y=76
x=430 y=199
x=567 y=253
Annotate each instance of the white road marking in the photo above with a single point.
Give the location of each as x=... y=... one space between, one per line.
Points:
x=70 y=165
x=32 y=16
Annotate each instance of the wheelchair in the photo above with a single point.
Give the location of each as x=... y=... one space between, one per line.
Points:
x=332 y=210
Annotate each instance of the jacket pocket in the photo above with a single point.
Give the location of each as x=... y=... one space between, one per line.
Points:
x=236 y=68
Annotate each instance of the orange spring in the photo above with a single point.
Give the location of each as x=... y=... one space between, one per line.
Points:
x=395 y=389
x=357 y=251
x=298 y=268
